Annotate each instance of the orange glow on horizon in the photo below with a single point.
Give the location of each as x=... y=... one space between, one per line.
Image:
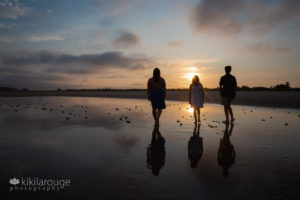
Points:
x=191 y=75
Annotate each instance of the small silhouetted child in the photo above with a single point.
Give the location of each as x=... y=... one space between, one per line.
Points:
x=196 y=97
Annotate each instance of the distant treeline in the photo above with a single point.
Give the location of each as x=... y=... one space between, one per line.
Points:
x=279 y=87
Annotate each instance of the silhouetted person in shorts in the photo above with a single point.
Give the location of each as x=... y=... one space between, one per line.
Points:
x=156 y=91
x=228 y=88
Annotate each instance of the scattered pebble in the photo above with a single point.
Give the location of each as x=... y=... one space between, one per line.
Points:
x=128 y=121
x=67 y=118
x=286 y=124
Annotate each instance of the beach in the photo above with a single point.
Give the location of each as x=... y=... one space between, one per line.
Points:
x=274 y=99
x=105 y=147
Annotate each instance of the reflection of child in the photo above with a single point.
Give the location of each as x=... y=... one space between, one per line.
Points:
x=195 y=147
x=196 y=97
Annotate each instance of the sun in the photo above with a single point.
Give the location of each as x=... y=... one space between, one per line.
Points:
x=190 y=76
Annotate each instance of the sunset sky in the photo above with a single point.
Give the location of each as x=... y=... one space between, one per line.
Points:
x=49 y=44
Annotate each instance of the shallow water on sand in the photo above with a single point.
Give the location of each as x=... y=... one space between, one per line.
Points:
x=107 y=149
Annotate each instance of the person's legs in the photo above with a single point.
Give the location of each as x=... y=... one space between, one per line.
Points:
x=198 y=113
x=226 y=114
x=195 y=114
x=154 y=113
x=231 y=113
x=158 y=115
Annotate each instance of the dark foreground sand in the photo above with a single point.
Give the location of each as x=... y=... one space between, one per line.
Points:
x=109 y=149
x=281 y=99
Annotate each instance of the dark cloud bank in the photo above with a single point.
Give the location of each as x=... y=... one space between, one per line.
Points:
x=46 y=69
x=231 y=17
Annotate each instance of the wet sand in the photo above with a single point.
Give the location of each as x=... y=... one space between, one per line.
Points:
x=274 y=99
x=107 y=148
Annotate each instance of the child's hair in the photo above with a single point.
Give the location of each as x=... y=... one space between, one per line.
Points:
x=196 y=80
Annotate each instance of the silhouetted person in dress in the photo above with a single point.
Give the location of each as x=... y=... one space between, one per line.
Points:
x=226 y=153
x=156 y=91
x=156 y=152
x=196 y=97
x=228 y=88
x=195 y=147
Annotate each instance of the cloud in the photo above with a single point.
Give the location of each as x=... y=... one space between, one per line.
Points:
x=262 y=48
x=50 y=70
x=232 y=17
x=12 y=9
x=174 y=44
x=126 y=39
x=114 y=6
x=73 y=64
x=217 y=16
x=6 y=39
x=45 y=38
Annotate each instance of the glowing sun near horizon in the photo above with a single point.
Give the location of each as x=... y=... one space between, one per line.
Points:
x=190 y=76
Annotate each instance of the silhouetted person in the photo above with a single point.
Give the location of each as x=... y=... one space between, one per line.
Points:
x=228 y=88
x=195 y=147
x=226 y=153
x=196 y=97
x=156 y=91
x=156 y=152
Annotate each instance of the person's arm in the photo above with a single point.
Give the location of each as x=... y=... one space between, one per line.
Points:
x=164 y=88
x=234 y=87
x=190 y=93
x=148 y=90
x=202 y=93
x=221 y=86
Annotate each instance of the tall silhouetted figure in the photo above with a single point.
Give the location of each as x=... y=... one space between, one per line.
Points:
x=196 y=97
x=156 y=152
x=228 y=88
x=156 y=91
x=226 y=153
x=195 y=147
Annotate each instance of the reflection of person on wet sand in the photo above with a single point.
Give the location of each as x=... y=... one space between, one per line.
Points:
x=156 y=152
x=226 y=153
x=156 y=91
x=195 y=147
